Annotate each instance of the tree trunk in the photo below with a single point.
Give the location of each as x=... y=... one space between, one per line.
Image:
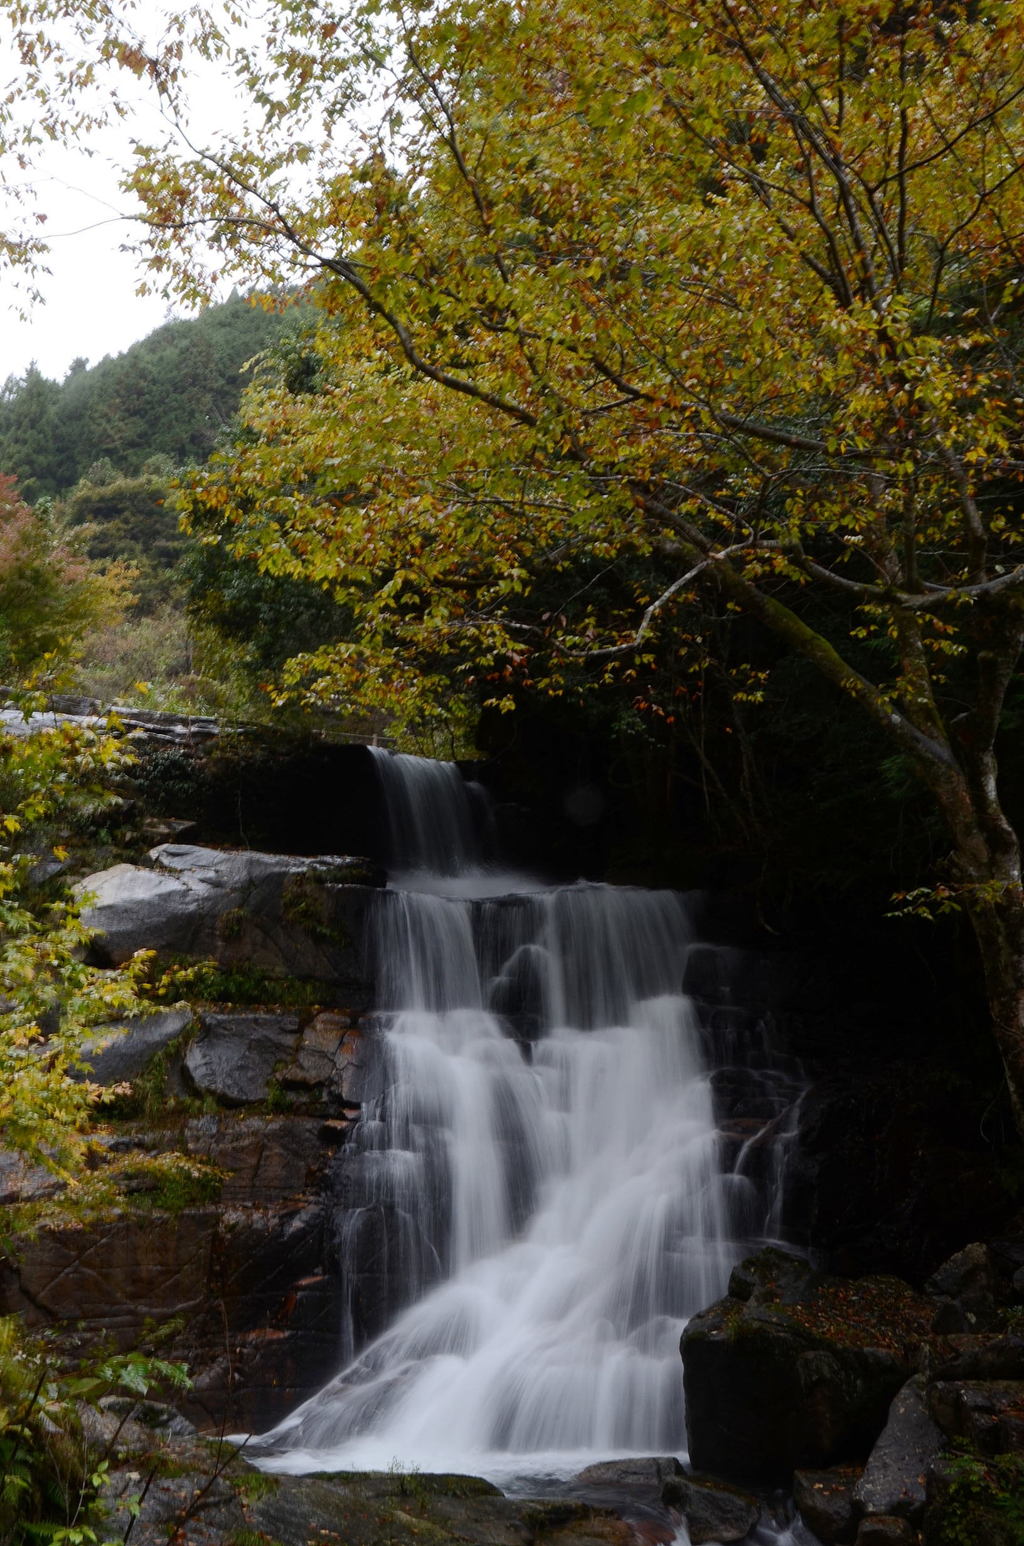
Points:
x=999 y=929
x=987 y=853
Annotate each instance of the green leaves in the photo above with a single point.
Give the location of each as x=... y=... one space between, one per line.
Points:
x=678 y=291
x=50 y=999
x=50 y=1471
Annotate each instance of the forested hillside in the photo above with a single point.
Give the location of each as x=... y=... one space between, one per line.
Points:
x=169 y=395
x=654 y=432
x=97 y=456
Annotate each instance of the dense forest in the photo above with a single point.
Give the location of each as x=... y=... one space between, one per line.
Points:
x=706 y=447
x=170 y=396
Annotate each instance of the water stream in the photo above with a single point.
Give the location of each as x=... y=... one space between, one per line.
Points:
x=538 y=1179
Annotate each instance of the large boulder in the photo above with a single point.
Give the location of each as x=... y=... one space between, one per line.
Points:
x=893 y=1482
x=714 y=1513
x=277 y=914
x=825 y=1502
x=966 y=1288
x=794 y=1370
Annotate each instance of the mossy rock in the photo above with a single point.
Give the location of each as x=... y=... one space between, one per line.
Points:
x=797 y=1376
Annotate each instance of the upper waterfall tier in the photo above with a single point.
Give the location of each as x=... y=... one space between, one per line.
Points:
x=432 y=823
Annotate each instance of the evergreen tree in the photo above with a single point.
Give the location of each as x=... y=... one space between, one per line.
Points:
x=28 y=423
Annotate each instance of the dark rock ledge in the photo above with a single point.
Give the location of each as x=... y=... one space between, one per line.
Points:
x=203 y=1493
x=293 y=918
x=890 y=1428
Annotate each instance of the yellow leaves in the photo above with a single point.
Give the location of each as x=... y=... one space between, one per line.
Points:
x=600 y=276
x=43 y=980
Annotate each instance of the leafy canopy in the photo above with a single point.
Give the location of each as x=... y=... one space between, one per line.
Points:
x=721 y=292
x=69 y=69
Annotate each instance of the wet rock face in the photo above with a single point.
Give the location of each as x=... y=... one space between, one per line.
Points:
x=794 y=1362
x=248 y=1265
x=274 y=913
x=245 y=1262
x=234 y=1057
x=244 y=1277
x=129 y=1048
x=794 y=1370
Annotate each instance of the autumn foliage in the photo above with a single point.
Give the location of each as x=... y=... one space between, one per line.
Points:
x=626 y=314
x=50 y=593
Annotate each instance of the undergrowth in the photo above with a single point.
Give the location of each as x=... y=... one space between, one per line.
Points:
x=51 y=1471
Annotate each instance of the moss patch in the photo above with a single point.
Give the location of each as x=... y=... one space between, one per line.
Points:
x=204 y=982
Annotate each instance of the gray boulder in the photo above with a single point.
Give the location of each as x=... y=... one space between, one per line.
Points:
x=987 y=1414
x=280 y=914
x=21 y=1181
x=713 y=1511
x=825 y=1502
x=122 y=1052
x=967 y=1290
x=655 y=1471
x=130 y=908
x=894 y=1479
x=796 y=1376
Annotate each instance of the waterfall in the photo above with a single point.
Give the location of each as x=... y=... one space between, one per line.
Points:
x=537 y=1176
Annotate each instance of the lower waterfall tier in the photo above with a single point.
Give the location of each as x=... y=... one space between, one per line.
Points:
x=552 y=1186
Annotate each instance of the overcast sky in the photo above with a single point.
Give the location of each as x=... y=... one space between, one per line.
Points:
x=91 y=308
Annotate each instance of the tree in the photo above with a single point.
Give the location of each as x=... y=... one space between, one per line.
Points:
x=50 y=593
x=60 y=61
x=49 y=999
x=131 y=518
x=718 y=298
x=28 y=422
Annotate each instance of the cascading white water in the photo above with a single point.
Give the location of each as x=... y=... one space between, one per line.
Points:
x=543 y=1150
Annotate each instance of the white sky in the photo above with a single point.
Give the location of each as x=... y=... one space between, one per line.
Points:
x=91 y=307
